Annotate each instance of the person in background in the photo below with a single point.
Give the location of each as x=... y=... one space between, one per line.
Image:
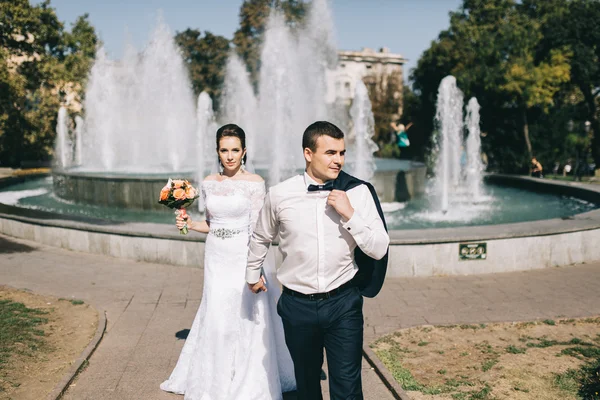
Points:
x=567 y=168
x=536 y=168
x=401 y=135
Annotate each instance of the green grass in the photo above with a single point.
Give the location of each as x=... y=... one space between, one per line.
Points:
x=402 y=375
x=19 y=332
x=76 y=302
x=582 y=352
x=489 y=364
x=585 y=381
x=515 y=350
x=482 y=394
x=519 y=388
x=568 y=381
x=392 y=360
x=543 y=342
x=19 y=335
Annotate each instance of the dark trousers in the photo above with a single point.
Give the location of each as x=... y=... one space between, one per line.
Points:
x=335 y=324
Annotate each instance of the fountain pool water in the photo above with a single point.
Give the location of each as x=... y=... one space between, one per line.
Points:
x=509 y=205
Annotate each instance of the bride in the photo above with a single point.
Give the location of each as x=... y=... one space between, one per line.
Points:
x=235 y=348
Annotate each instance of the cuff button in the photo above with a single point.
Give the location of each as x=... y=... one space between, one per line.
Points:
x=348 y=228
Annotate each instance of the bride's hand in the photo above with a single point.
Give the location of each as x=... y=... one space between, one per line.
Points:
x=180 y=222
x=260 y=286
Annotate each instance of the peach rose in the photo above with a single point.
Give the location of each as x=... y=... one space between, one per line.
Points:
x=179 y=194
x=177 y=183
x=190 y=192
x=164 y=194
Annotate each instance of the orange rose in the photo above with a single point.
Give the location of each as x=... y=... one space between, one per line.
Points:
x=190 y=192
x=164 y=194
x=178 y=183
x=179 y=194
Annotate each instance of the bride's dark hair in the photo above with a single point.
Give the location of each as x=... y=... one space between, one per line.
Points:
x=234 y=131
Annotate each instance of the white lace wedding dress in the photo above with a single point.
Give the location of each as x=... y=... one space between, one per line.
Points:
x=235 y=349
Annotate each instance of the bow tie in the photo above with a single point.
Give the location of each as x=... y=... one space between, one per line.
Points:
x=326 y=186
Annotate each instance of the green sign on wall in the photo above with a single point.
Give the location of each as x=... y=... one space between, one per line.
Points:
x=472 y=251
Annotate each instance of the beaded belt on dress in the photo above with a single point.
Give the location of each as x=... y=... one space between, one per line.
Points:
x=225 y=233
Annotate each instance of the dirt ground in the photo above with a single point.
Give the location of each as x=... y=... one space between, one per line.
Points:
x=527 y=360
x=69 y=330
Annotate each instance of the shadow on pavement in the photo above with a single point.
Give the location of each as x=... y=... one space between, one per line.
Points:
x=7 y=247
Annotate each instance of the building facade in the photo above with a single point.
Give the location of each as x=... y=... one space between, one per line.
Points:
x=371 y=66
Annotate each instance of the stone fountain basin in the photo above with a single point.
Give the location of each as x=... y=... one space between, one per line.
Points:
x=420 y=252
x=395 y=180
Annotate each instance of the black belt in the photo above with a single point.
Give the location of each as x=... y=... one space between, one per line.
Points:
x=319 y=296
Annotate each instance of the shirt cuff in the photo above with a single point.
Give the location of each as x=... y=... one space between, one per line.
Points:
x=355 y=226
x=253 y=276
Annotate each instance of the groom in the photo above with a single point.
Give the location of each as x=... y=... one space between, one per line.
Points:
x=319 y=229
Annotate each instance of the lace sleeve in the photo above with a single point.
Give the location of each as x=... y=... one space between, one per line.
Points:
x=257 y=198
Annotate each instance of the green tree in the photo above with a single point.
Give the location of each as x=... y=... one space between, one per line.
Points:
x=206 y=57
x=494 y=49
x=577 y=28
x=40 y=63
x=79 y=49
x=253 y=20
x=535 y=85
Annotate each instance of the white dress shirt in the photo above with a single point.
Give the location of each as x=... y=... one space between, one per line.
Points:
x=316 y=243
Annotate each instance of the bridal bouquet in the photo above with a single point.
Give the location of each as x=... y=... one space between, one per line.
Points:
x=178 y=194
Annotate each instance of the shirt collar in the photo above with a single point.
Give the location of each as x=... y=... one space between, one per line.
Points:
x=309 y=181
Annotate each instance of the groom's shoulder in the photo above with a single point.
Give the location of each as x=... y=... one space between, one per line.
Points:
x=288 y=185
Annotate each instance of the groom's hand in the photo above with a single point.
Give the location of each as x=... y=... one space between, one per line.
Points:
x=259 y=286
x=338 y=199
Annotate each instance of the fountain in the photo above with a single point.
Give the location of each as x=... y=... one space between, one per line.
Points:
x=62 y=155
x=360 y=154
x=141 y=126
x=474 y=165
x=205 y=126
x=140 y=114
x=449 y=121
x=78 y=139
x=291 y=91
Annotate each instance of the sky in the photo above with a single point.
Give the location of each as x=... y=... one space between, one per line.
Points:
x=406 y=27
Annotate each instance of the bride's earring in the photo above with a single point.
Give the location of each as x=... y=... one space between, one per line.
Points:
x=243 y=164
x=220 y=167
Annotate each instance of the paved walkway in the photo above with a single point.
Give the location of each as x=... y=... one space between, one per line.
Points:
x=147 y=304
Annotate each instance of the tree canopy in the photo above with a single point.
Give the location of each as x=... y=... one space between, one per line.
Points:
x=525 y=61
x=206 y=57
x=41 y=66
x=253 y=20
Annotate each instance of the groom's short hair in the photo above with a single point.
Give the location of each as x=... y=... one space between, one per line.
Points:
x=318 y=129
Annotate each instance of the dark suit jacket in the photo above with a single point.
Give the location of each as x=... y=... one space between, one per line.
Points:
x=371 y=272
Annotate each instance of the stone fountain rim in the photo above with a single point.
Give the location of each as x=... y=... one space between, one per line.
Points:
x=578 y=223
x=161 y=175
